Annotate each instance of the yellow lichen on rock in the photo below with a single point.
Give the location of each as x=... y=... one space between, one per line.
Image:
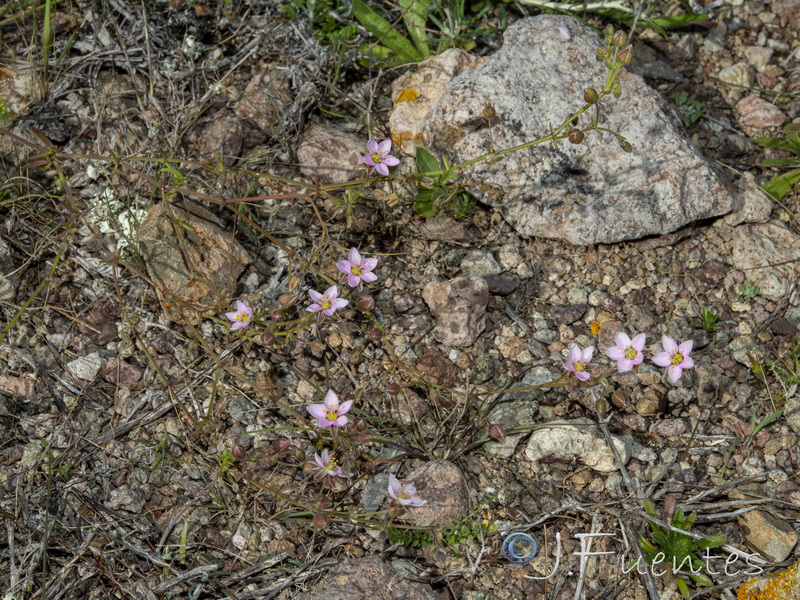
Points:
x=407 y=96
x=783 y=585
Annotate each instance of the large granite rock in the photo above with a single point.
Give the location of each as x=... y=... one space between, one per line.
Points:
x=588 y=193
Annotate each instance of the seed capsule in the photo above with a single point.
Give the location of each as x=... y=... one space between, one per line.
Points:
x=321 y=521
x=619 y=39
x=497 y=432
x=287 y=299
x=576 y=136
x=590 y=95
x=268 y=338
x=280 y=446
x=365 y=303
x=239 y=453
x=625 y=56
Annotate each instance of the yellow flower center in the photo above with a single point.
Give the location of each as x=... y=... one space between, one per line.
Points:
x=356 y=269
x=630 y=353
x=377 y=157
x=325 y=302
x=332 y=415
x=579 y=366
x=677 y=358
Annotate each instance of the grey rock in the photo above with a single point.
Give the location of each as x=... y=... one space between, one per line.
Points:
x=669 y=427
x=126 y=499
x=742 y=347
x=459 y=307
x=739 y=77
x=750 y=205
x=770 y=255
x=577 y=439
x=588 y=193
x=86 y=367
x=501 y=285
x=792 y=412
x=511 y=414
x=479 y=262
x=367 y=578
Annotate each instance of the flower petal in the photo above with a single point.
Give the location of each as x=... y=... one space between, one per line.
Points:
x=372 y=146
x=345 y=407
x=639 y=341
x=615 y=353
x=238 y=325
x=353 y=256
x=324 y=423
x=574 y=353
x=391 y=161
x=340 y=421
x=675 y=373
x=622 y=340
x=332 y=292
x=587 y=353
x=339 y=303
x=686 y=347
x=344 y=266
x=385 y=147
x=637 y=360
x=315 y=296
x=415 y=502
x=232 y=316
x=314 y=308
x=382 y=169
x=687 y=363
x=582 y=375
x=368 y=160
x=624 y=364
x=368 y=277
x=353 y=280
x=662 y=359
x=669 y=344
x=317 y=411
x=368 y=264
x=331 y=399
x=242 y=307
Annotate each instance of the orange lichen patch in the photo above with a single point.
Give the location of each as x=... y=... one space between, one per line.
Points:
x=407 y=96
x=783 y=585
x=398 y=137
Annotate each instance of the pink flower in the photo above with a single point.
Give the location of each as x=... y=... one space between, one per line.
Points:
x=675 y=357
x=378 y=156
x=328 y=467
x=627 y=353
x=406 y=494
x=241 y=318
x=564 y=31
x=357 y=270
x=330 y=413
x=328 y=303
x=578 y=361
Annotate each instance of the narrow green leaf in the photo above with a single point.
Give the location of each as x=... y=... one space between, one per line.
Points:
x=777 y=143
x=415 y=12
x=779 y=162
x=682 y=587
x=766 y=421
x=711 y=541
x=779 y=186
x=679 y=21
x=382 y=29
x=426 y=162
x=702 y=579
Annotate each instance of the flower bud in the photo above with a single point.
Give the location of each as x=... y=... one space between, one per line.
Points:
x=280 y=446
x=625 y=56
x=601 y=405
x=239 y=453
x=321 y=521
x=299 y=454
x=576 y=136
x=497 y=432
x=608 y=32
x=625 y=145
x=375 y=335
x=443 y=401
x=278 y=316
x=325 y=502
x=488 y=111
x=268 y=338
x=617 y=92
x=310 y=467
x=294 y=281
x=359 y=424
x=287 y=299
x=601 y=54
x=590 y=95
x=619 y=39
x=619 y=398
x=393 y=389
x=365 y=303
x=362 y=437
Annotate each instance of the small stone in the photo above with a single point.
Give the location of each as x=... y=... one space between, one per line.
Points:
x=758 y=57
x=520 y=413
x=443 y=486
x=438 y=368
x=478 y=263
x=767 y=534
x=126 y=499
x=121 y=373
x=566 y=315
x=792 y=412
x=17 y=386
x=459 y=307
x=739 y=76
x=756 y=113
x=750 y=205
x=669 y=427
x=223 y=136
x=577 y=439
x=501 y=285
x=770 y=254
x=86 y=367
x=319 y=163
x=651 y=403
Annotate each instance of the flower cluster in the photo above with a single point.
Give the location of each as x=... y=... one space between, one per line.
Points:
x=629 y=353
